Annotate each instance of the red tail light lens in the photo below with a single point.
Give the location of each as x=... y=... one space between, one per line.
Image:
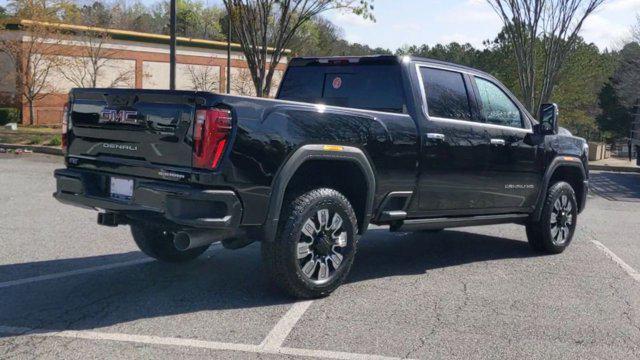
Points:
x=65 y=126
x=210 y=137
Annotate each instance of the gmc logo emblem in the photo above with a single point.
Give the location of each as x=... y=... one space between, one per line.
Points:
x=119 y=117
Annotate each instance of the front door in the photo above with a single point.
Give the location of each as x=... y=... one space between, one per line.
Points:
x=514 y=160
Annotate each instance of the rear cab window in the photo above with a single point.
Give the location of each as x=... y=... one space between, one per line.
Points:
x=347 y=83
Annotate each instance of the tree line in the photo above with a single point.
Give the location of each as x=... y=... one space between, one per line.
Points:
x=538 y=54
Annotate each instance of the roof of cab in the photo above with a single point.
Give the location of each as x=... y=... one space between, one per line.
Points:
x=381 y=59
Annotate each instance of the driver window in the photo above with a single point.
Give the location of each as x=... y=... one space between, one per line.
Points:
x=497 y=107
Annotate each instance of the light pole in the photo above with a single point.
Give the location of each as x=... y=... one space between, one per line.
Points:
x=228 y=52
x=172 y=46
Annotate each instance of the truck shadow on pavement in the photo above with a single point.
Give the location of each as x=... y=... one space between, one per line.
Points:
x=219 y=280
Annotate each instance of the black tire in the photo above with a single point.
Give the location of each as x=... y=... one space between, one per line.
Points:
x=157 y=242
x=282 y=256
x=548 y=234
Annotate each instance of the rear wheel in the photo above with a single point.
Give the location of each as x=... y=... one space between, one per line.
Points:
x=315 y=245
x=554 y=231
x=156 y=241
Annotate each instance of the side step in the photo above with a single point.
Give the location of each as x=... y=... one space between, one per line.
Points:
x=441 y=223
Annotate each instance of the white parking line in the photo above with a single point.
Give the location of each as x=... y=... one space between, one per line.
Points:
x=626 y=267
x=201 y=344
x=81 y=271
x=279 y=333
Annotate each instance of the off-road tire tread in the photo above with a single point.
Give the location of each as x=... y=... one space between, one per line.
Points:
x=538 y=232
x=273 y=252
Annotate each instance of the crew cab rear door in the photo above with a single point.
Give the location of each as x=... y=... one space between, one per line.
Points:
x=146 y=125
x=454 y=161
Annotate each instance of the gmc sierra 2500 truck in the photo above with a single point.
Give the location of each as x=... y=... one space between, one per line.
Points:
x=417 y=144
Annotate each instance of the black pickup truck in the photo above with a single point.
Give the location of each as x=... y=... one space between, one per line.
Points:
x=416 y=144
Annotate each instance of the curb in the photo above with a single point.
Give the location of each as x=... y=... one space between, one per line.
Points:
x=614 y=168
x=36 y=149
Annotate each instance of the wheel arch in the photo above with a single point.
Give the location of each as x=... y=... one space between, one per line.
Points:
x=569 y=169
x=320 y=152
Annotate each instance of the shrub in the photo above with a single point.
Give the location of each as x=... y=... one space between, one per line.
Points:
x=55 y=141
x=8 y=115
x=35 y=140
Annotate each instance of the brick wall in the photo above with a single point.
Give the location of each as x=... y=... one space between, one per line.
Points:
x=148 y=64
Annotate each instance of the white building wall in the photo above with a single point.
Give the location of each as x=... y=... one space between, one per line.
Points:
x=7 y=74
x=188 y=77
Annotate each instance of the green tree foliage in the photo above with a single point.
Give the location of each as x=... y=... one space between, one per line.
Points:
x=321 y=37
x=615 y=119
x=627 y=76
x=620 y=94
x=4 y=14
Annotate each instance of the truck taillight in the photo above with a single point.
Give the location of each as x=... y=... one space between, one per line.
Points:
x=65 y=126
x=210 y=137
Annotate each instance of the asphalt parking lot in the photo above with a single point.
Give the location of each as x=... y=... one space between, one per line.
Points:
x=71 y=289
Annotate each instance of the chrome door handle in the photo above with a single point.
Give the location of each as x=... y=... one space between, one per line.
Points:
x=435 y=136
x=498 y=142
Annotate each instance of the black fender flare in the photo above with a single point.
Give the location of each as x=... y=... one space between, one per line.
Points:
x=558 y=162
x=316 y=152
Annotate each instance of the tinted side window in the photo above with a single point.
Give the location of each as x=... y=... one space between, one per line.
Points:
x=497 y=107
x=446 y=94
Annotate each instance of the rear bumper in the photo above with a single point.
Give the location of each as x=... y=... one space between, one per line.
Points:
x=179 y=203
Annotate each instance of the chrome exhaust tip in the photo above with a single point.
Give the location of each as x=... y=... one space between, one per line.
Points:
x=191 y=239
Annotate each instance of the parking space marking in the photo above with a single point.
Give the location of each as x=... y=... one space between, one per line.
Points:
x=279 y=333
x=201 y=344
x=626 y=267
x=73 y=272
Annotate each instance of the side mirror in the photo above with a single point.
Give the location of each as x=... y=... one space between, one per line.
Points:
x=549 y=119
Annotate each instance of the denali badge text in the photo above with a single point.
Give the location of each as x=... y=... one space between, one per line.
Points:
x=519 y=186
x=119 y=117
x=120 y=147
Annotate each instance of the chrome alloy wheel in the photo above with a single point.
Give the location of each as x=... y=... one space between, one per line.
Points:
x=321 y=247
x=561 y=220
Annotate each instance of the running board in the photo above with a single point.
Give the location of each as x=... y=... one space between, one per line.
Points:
x=442 y=223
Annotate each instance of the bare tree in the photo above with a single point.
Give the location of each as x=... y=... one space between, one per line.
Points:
x=204 y=78
x=31 y=52
x=242 y=82
x=549 y=26
x=265 y=28
x=93 y=61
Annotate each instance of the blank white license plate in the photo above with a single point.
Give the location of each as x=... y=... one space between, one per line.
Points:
x=121 y=189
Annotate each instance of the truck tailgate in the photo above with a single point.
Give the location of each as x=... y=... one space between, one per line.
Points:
x=154 y=126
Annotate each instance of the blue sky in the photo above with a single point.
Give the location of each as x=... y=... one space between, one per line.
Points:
x=441 y=21
x=407 y=22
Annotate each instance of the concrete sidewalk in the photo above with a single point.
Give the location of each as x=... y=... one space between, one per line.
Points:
x=615 y=164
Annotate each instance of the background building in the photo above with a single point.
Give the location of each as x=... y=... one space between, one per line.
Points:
x=80 y=56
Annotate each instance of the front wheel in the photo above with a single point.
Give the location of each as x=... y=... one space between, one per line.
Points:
x=554 y=231
x=156 y=241
x=315 y=245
